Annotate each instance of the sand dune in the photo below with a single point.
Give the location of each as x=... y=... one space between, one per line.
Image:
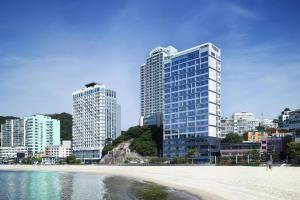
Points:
x=207 y=182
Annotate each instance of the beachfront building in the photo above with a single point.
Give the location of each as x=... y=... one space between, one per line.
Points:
x=275 y=144
x=240 y=150
x=294 y=124
x=59 y=151
x=95 y=121
x=41 y=131
x=13 y=133
x=270 y=140
x=151 y=77
x=13 y=152
x=192 y=87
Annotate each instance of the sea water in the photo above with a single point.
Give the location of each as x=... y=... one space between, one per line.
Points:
x=80 y=186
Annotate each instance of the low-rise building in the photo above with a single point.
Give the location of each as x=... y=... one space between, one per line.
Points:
x=271 y=140
x=59 y=151
x=49 y=160
x=260 y=134
x=275 y=144
x=12 y=152
x=241 y=149
x=254 y=136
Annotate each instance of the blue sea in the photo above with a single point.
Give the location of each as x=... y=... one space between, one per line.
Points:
x=80 y=186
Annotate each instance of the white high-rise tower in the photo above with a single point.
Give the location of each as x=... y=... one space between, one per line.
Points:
x=152 y=85
x=95 y=121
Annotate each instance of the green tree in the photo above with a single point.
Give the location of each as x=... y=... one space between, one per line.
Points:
x=146 y=140
x=144 y=145
x=157 y=160
x=135 y=131
x=191 y=153
x=254 y=154
x=38 y=159
x=293 y=151
x=180 y=160
x=232 y=138
x=106 y=149
x=72 y=160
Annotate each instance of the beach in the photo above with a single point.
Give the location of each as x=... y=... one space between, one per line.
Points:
x=206 y=182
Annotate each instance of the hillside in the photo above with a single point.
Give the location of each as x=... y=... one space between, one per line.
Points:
x=146 y=140
x=121 y=154
x=65 y=125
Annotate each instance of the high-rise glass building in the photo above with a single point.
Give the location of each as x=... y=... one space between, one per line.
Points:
x=95 y=121
x=13 y=133
x=192 y=87
x=152 y=85
x=41 y=131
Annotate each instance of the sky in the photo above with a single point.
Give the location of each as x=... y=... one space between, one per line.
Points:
x=49 y=49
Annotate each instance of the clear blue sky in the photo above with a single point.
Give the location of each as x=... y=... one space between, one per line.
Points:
x=48 y=49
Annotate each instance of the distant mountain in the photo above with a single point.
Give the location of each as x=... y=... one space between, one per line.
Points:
x=4 y=118
x=65 y=125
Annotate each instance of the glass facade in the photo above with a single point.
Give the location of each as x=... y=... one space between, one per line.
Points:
x=192 y=102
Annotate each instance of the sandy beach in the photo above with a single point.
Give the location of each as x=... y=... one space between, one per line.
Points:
x=207 y=182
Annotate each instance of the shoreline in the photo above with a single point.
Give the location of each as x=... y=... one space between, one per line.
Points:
x=205 y=182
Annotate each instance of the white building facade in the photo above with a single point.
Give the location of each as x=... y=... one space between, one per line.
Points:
x=59 y=151
x=151 y=78
x=13 y=133
x=244 y=121
x=95 y=121
x=241 y=122
x=227 y=126
x=12 y=152
x=268 y=123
